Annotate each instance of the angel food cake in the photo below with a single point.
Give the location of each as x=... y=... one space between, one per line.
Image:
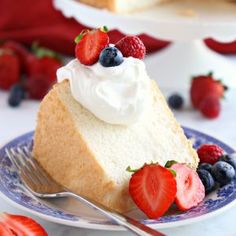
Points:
x=123 y=5
x=104 y=115
x=129 y=6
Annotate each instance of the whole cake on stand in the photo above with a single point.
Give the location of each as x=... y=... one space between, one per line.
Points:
x=188 y=55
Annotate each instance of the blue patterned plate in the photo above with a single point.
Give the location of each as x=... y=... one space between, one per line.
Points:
x=70 y=212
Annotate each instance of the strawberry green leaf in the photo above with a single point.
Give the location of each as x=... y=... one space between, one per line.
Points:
x=81 y=35
x=172 y=171
x=78 y=38
x=41 y=52
x=170 y=163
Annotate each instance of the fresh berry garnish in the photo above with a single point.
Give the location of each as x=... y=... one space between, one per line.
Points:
x=5 y=231
x=204 y=85
x=45 y=66
x=21 y=52
x=9 y=68
x=223 y=172
x=89 y=44
x=16 y=225
x=131 y=46
x=37 y=86
x=229 y=158
x=209 y=153
x=210 y=107
x=205 y=166
x=190 y=190
x=176 y=101
x=43 y=62
x=153 y=189
x=110 y=56
x=16 y=95
x=207 y=180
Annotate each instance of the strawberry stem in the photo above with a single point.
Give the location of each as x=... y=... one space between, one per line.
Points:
x=104 y=29
x=210 y=74
x=131 y=170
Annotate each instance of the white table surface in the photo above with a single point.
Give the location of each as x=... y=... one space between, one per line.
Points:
x=16 y=121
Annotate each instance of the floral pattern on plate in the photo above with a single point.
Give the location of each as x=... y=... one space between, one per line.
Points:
x=12 y=189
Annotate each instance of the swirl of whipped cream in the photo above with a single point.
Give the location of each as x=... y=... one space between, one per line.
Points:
x=116 y=95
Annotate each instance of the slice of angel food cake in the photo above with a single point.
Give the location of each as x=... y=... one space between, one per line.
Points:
x=104 y=115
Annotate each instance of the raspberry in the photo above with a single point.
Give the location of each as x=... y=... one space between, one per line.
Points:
x=209 y=153
x=210 y=106
x=131 y=46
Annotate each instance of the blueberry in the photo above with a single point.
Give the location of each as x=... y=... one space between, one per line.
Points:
x=175 y=101
x=223 y=172
x=110 y=56
x=230 y=158
x=205 y=166
x=17 y=94
x=207 y=180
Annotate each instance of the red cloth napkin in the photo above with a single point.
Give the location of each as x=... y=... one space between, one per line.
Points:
x=27 y=21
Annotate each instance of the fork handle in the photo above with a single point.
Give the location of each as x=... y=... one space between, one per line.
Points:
x=125 y=221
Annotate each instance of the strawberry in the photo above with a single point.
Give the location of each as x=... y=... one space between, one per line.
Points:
x=46 y=66
x=210 y=106
x=89 y=44
x=204 y=85
x=131 y=46
x=21 y=52
x=41 y=71
x=9 y=68
x=37 y=86
x=209 y=153
x=5 y=231
x=43 y=62
x=153 y=189
x=17 y=225
x=190 y=190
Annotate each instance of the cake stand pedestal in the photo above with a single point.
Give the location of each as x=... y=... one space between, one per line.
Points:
x=174 y=66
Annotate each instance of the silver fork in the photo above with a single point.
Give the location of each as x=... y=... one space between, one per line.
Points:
x=40 y=184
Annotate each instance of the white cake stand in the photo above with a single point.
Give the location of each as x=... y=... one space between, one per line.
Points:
x=186 y=23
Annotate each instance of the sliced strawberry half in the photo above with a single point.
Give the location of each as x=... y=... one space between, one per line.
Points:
x=90 y=44
x=190 y=190
x=17 y=225
x=153 y=189
x=5 y=231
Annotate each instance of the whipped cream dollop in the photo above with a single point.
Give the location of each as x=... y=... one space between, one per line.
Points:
x=116 y=95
